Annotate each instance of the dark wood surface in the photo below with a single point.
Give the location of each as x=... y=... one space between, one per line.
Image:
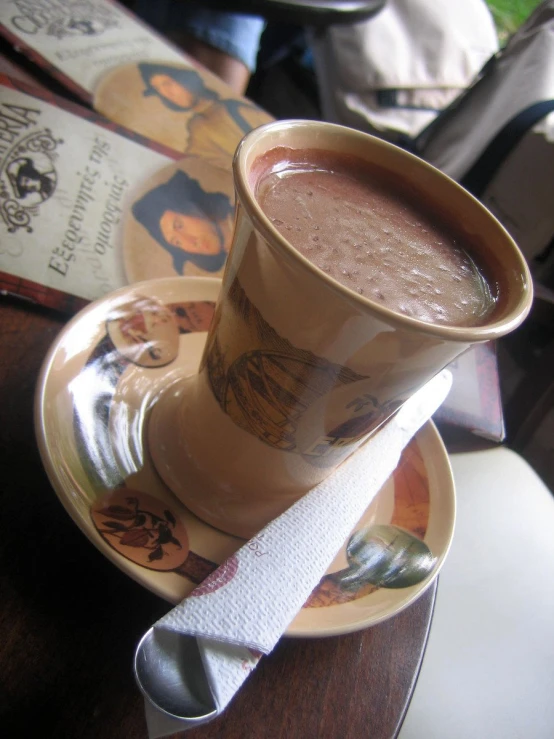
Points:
x=70 y=620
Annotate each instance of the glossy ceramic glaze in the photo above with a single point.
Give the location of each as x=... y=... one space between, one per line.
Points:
x=299 y=370
x=105 y=372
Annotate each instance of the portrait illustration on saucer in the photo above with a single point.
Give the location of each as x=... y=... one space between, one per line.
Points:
x=145 y=332
x=179 y=106
x=180 y=223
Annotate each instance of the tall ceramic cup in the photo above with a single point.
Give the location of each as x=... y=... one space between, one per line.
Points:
x=298 y=370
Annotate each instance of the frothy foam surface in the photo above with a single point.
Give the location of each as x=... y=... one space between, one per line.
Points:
x=373 y=237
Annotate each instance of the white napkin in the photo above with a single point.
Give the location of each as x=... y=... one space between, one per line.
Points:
x=248 y=602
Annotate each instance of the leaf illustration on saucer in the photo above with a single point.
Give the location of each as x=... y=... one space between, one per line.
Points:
x=141 y=528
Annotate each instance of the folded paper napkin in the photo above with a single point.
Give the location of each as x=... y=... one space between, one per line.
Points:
x=240 y=611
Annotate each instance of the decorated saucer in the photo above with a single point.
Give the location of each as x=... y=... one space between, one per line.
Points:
x=98 y=383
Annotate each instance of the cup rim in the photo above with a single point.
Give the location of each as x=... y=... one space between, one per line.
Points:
x=464 y=334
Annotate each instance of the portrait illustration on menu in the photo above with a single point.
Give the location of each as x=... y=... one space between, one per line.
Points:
x=179 y=106
x=187 y=222
x=217 y=123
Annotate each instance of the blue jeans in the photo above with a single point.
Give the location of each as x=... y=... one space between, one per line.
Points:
x=234 y=33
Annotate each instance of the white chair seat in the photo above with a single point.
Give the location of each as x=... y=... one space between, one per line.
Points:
x=488 y=670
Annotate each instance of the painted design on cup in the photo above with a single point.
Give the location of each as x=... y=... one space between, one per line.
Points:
x=277 y=392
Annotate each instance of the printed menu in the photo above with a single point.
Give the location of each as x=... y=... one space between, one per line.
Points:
x=131 y=75
x=77 y=41
x=474 y=403
x=67 y=178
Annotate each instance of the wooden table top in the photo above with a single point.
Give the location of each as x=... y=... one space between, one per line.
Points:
x=70 y=620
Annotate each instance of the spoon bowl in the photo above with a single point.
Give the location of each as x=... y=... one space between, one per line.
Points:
x=386 y=556
x=169 y=672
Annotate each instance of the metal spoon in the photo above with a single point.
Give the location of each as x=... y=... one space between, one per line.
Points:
x=387 y=556
x=170 y=673
x=168 y=666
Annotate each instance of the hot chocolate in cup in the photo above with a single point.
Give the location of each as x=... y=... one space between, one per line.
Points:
x=304 y=361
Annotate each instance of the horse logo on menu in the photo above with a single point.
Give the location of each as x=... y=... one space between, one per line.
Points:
x=28 y=156
x=27 y=178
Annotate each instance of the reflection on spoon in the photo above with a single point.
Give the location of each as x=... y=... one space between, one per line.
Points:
x=385 y=556
x=170 y=673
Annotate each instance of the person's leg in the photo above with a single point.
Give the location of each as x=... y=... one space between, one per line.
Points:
x=225 y=43
x=231 y=70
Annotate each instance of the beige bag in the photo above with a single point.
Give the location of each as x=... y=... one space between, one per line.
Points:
x=393 y=73
x=497 y=138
